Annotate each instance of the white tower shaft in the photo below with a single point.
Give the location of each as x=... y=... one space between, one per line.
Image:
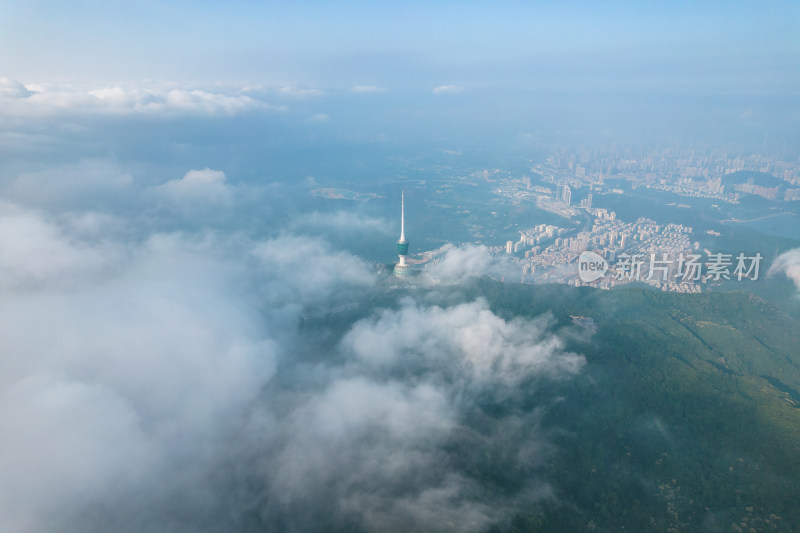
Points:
x=402 y=216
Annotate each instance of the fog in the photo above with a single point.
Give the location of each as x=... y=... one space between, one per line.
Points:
x=172 y=380
x=788 y=264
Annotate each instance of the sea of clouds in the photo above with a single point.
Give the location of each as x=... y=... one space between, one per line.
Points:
x=167 y=368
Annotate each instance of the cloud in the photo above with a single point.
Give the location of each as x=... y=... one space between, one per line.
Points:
x=204 y=102
x=461 y=263
x=369 y=447
x=480 y=347
x=306 y=269
x=298 y=92
x=789 y=264
x=204 y=381
x=13 y=89
x=367 y=452
x=447 y=89
x=319 y=117
x=85 y=183
x=366 y=89
x=341 y=223
x=121 y=385
x=197 y=188
x=156 y=100
x=36 y=253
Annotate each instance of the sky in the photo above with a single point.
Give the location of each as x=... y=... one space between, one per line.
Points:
x=411 y=69
x=401 y=45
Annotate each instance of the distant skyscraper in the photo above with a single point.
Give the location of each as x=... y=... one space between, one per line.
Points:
x=566 y=195
x=401 y=269
x=589 y=201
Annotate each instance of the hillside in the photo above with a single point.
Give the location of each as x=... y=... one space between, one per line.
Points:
x=686 y=415
x=762 y=179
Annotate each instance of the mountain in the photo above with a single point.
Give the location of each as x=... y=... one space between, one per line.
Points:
x=686 y=416
x=762 y=179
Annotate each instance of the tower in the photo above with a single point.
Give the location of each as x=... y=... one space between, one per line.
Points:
x=401 y=269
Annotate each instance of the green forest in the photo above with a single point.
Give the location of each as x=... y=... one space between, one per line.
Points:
x=686 y=416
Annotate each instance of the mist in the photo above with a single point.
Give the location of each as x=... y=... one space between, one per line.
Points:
x=169 y=379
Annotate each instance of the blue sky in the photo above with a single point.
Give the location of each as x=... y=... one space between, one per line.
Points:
x=416 y=70
x=406 y=44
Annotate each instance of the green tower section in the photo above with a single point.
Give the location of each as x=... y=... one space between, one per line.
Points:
x=402 y=247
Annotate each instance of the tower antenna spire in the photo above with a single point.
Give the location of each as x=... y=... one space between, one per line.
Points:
x=402 y=215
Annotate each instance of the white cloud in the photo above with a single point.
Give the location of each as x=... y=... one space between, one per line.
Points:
x=298 y=92
x=306 y=269
x=182 y=382
x=50 y=435
x=206 y=102
x=461 y=263
x=118 y=388
x=370 y=443
x=367 y=89
x=445 y=89
x=53 y=99
x=358 y=440
x=319 y=117
x=93 y=225
x=341 y=223
x=73 y=185
x=13 y=89
x=468 y=340
x=789 y=264
x=197 y=188
x=36 y=253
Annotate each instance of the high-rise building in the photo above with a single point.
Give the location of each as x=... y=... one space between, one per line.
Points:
x=509 y=247
x=589 y=201
x=566 y=195
x=401 y=268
